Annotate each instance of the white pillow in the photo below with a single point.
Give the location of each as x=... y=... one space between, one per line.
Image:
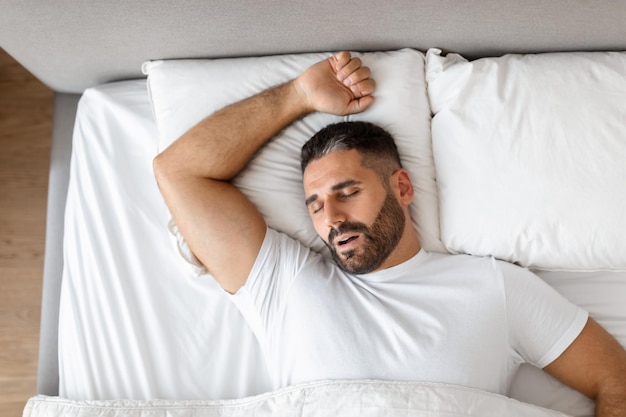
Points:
x=183 y=92
x=530 y=154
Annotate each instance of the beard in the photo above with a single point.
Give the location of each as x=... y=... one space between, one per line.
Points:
x=380 y=239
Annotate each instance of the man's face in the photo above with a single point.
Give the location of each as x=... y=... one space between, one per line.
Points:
x=359 y=219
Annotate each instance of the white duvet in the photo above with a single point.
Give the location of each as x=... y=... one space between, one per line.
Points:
x=327 y=398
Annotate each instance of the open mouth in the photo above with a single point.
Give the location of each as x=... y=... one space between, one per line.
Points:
x=347 y=240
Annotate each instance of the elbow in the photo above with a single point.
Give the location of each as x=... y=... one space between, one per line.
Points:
x=163 y=169
x=159 y=167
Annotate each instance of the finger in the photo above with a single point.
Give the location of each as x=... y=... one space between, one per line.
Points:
x=360 y=105
x=340 y=59
x=363 y=88
x=360 y=74
x=353 y=65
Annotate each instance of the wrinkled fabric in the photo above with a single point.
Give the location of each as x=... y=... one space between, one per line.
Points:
x=326 y=398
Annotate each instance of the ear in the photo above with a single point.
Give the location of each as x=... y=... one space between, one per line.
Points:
x=402 y=186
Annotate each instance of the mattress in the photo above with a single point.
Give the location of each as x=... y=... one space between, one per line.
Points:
x=136 y=322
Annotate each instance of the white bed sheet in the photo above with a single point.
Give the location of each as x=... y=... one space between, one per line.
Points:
x=136 y=324
x=133 y=321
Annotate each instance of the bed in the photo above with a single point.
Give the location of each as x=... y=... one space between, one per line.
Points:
x=114 y=278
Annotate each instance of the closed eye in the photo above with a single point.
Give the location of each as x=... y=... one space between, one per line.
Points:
x=347 y=195
x=315 y=208
x=314 y=204
x=343 y=191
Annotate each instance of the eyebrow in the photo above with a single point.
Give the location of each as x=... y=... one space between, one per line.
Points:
x=336 y=187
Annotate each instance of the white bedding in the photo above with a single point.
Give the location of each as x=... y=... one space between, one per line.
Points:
x=529 y=152
x=133 y=321
x=136 y=324
x=326 y=398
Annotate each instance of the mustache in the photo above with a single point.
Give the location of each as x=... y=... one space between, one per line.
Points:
x=347 y=227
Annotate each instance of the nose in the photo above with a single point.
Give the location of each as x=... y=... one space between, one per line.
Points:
x=333 y=215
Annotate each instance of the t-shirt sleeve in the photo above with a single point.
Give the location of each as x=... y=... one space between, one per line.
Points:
x=277 y=265
x=542 y=323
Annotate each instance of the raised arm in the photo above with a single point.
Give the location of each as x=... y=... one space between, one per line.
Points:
x=223 y=229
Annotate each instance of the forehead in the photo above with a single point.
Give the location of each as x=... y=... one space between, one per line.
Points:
x=334 y=168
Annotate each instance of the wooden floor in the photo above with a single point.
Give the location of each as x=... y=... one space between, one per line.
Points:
x=25 y=136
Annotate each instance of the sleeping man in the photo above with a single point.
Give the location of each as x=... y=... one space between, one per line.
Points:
x=384 y=308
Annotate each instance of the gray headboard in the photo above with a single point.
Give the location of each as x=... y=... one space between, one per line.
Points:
x=71 y=45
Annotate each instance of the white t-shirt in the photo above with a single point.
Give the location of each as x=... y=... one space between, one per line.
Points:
x=454 y=319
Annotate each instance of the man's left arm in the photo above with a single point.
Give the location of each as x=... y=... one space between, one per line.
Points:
x=595 y=364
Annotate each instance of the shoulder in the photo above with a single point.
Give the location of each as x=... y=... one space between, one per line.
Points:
x=515 y=282
x=278 y=243
x=463 y=264
x=521 y=281
x=281 y=252
x=510 y=274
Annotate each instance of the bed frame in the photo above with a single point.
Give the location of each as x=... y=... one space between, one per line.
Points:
x=73 y=45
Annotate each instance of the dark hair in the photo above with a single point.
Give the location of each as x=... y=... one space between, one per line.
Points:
x=376 y=146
